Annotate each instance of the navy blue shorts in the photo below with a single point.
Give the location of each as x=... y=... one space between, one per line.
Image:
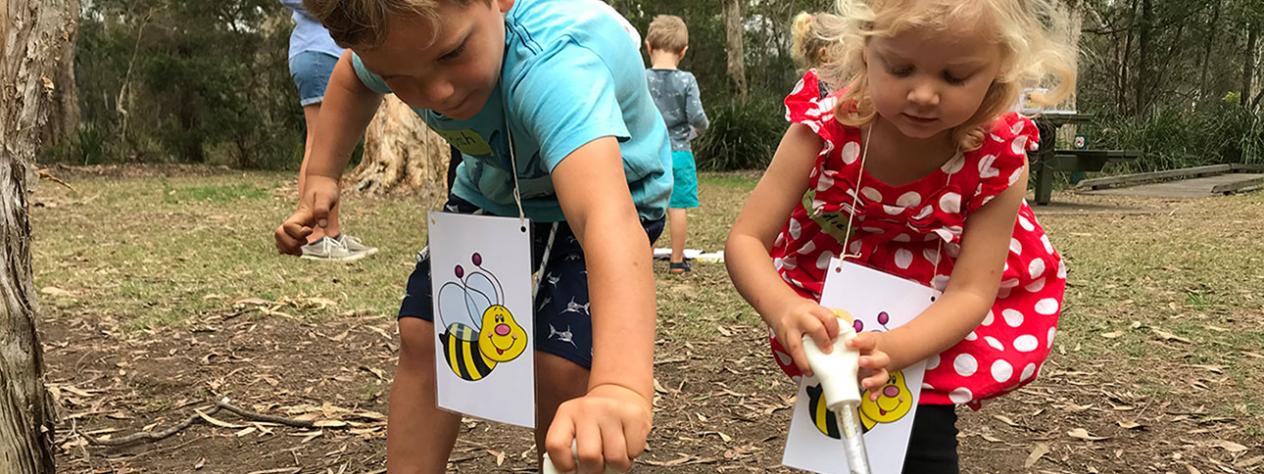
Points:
x=310 y=71
x=563 y=326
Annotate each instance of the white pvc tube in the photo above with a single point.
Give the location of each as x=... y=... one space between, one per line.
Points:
x=547 y=467
x=838 y=373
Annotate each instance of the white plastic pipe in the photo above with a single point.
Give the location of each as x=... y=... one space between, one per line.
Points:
x=838 y=372
x=547 y=467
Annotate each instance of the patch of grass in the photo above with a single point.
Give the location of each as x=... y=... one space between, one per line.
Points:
x=742 y=180
x=215 y=194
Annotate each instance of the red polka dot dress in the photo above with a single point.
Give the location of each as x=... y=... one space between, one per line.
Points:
x=905 y=230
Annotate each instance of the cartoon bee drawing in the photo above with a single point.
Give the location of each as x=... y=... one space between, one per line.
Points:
x=894 y=397
x=491 y=337
x=822 y=417
x=894 y=401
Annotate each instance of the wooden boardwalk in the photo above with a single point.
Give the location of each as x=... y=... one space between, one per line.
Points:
x=1190 y=188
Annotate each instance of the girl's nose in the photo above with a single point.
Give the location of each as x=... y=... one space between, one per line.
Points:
x=923 y=95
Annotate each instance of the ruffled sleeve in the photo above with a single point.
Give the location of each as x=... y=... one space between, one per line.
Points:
x=805 y=105
x=1002 y=157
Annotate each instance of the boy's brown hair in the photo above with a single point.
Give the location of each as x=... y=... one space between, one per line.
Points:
x=362 y=23
x=668 y=33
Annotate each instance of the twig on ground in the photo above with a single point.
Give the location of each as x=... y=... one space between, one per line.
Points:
x=255 y=416
x=148 y=436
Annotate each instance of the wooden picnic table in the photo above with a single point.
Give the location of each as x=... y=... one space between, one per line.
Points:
x=1049 y=159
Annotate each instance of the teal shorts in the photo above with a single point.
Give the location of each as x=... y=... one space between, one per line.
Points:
x=684 y=181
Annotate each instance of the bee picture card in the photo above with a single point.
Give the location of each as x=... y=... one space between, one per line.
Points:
x=480 y=269
x=878 y=302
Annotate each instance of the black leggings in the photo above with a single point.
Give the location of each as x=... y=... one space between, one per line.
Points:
x=452 y=164
x=933 y=444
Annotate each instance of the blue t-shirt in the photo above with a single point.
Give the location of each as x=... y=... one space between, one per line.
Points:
x=308 y=34
x=570 y=75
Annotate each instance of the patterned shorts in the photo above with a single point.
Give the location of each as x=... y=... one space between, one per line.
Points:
x=563 y=326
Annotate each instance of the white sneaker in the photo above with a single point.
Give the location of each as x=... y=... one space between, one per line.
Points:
x=354 y=245
x=331 y=250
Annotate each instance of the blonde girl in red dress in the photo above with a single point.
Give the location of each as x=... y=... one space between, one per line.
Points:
x=916 y=167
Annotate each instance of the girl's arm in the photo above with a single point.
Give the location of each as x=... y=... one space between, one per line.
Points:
x=972 y=286
x=746 y=254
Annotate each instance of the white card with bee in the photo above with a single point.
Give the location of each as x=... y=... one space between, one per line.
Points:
x=480 y=275
x=879 y=302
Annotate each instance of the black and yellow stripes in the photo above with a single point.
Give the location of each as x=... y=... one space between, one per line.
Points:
x=460 y=344
x=822 y=417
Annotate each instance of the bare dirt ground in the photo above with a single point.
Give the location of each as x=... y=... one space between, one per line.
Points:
x=162 y=295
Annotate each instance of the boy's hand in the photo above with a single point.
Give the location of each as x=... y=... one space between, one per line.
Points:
x=873 y=362
x=320 y=195
x=609 y=426
x=805 y=317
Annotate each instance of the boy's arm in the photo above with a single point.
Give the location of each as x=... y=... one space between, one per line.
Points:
x=594 y=195
x=693 y=107
x=347 y=109
x=593 y=192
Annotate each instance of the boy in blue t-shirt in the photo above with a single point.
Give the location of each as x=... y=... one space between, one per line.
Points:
x=561 y=83
x=676 y=94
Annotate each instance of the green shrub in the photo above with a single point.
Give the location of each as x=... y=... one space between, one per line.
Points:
x=1177 y=138
x=743 y=135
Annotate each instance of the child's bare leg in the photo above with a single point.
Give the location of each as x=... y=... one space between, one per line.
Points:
x=419 y=436
x=679 y=227
x=557 y=380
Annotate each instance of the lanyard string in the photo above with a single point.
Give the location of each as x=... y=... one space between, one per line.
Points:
x=851 y=215
x=513 y=162
x=522 y=215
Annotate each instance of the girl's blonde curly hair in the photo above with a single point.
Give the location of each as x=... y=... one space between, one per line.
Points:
x=1030 y=32
x=809 y=37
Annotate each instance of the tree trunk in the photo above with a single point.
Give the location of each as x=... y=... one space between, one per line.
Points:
x=1121 y=100
x=1212 y=28
x=1075 y=29
x=1144 y=51
x=1248 y=62
x=733 y=38
x=63 y=121
x=33 y=36
x=401 y=152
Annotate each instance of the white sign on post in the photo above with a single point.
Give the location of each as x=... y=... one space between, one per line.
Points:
x=879 y=302
x=480 y=270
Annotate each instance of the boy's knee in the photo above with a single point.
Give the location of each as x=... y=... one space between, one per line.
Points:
x=560 y=378
x=416 y=339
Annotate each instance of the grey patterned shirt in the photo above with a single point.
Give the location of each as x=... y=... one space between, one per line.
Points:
x=676 y=95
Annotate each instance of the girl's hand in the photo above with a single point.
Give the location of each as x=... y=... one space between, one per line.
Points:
x=805 y=317
x=873 y=362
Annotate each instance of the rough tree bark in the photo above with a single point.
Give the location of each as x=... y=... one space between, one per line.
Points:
x=734 y=39
x=401 y=153
x=1213 y=27
x=63 y=120
x=33 y=36
x=1249 y=57
x=1144 y=50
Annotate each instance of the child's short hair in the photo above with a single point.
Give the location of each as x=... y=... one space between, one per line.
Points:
x=668 y=33
x=362 y=23
x=812 y=35
x=1029 y=32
